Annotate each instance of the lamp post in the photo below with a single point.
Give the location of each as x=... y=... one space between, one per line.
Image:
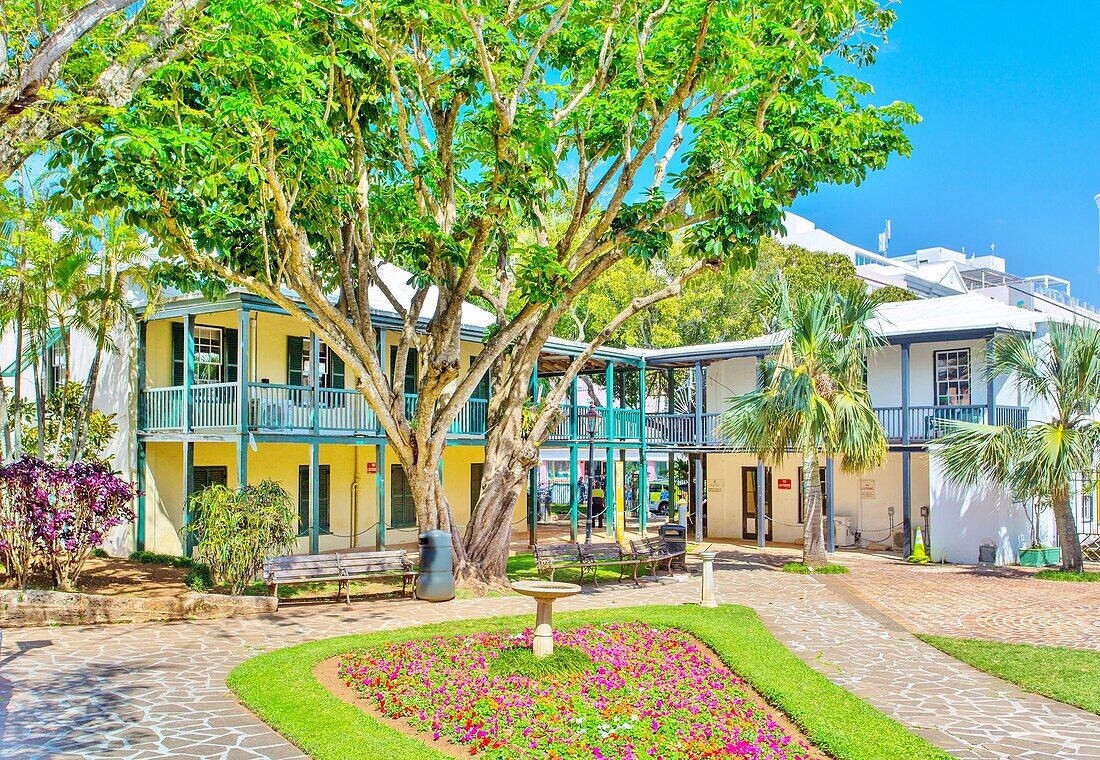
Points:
x=590 y=417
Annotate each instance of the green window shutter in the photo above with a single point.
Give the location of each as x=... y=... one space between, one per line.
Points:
x=294 y=360
x=336 y=374
x=402 y=511
x=206 y=476
x=482 y=389
x=411 y=368
x=303 y=499
x=177 y=353
x=477 y=471
x=229 y=355
x=323 y=501
x=336 y=370
x=411 y=371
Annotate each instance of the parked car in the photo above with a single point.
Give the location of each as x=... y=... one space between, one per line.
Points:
x=658 y=497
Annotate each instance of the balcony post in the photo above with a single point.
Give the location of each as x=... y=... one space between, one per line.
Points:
x=142 y=341
x=314 y=367
x=243 y=363
x=188 y=369
x=533 y=476
x=906 y=505
x=698 y=482
x=380 y=485
x=573 y=418
x=698 y=377
x=990 y=392
x=643 y=466
x=830 y=529
x=314 y=497
x=139 y=477
x=188 y=489
x=905 y=432
x=609 y=399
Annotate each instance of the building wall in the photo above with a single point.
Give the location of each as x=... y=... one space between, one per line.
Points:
x=965 y=518
x=865 y=499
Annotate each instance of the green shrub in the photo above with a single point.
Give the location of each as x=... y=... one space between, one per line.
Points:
x=154 y=558
x=199 y=578
x=237 y=531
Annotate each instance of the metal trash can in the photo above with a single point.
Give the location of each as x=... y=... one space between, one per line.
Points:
x=676 y=538
x=436 y=581
x=987 y=554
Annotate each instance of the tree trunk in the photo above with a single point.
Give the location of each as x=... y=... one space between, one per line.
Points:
x=813 y=538
x=40 y=406
x=1068 y=539
x=508 y=460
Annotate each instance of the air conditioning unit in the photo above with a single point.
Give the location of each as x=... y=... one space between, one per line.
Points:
x=844 y=532
x=273 y=414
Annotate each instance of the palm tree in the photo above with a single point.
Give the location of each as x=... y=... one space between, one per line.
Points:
x=1039 y=461
x=813 y=396
x=120 y=261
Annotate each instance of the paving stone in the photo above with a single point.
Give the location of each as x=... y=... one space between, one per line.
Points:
x=158 y=690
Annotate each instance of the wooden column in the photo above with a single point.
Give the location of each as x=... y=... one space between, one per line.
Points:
x=830 y=529
x=643 y=465
x=188 y=370
x=188 y=488
x=314 y=497
x=761 y=514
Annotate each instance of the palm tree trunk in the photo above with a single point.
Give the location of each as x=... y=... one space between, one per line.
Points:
x=813 y=538
x=17 y=392
x=1068 y=539
x=40 y=406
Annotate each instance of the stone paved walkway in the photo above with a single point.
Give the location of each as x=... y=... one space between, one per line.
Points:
x=159 y=690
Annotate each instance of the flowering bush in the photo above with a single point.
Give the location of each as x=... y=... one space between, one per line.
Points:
x=649 y=693
x=54 y=516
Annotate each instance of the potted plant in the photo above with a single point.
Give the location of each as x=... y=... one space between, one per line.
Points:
x=1037 y=555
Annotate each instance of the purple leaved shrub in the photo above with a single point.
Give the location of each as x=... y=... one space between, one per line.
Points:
x=52 y=516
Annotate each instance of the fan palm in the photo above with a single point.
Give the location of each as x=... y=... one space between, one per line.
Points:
x=813 y=396
x=1060 y=374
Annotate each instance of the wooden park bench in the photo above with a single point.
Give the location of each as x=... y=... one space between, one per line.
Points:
x=552 y=557
x=654 y=551
x=595 y=556
x=342 y=567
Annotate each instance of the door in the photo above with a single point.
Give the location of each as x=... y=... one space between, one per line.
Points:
x=748 y=501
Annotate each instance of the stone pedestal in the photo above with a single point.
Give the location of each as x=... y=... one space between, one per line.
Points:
x=544 y=593
x=707 y=593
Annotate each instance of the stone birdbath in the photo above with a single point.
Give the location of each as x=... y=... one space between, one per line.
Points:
x=544 y=594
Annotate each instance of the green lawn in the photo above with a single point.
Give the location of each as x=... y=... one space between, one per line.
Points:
x=802 y=569
x=1062 y=575
x=280 y=688
x=1067 y=675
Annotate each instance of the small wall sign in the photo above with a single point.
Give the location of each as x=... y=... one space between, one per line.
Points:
x=372 y=468
x=867 y=488
x=784 y=484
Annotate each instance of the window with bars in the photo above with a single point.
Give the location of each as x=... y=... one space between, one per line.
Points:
x=323 y=522
x=952 y=377
x=402 y=509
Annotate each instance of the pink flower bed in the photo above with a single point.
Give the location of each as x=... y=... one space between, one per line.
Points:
x=649 y=693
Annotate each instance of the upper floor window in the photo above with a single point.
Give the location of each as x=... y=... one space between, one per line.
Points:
x=324 y=375
x=299 y=364
x=58 y=367
x=952 y=377
x=208 y=354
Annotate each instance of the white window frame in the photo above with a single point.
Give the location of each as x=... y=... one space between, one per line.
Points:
x=961 y=379
x=323 y=365
x=209 y=353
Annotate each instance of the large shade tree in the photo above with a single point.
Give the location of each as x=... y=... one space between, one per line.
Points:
x=1039 y=461
x=301 y=147
x=813 y=400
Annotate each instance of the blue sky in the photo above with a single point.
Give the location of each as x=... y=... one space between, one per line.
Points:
x=1009 y=149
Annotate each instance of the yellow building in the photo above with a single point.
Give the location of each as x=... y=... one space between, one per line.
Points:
x=236 y=391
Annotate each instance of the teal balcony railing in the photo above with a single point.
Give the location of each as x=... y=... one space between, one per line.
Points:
x=274 y=408
x=624 y=424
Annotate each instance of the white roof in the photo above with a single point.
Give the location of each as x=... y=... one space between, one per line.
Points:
x=397 y=280
x=804 y=233
x=969 y=311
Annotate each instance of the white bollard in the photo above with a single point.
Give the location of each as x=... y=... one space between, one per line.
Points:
x=707 y=599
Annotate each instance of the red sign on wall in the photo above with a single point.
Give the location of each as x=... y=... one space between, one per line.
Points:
x=372 y=468
x=784 y=484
